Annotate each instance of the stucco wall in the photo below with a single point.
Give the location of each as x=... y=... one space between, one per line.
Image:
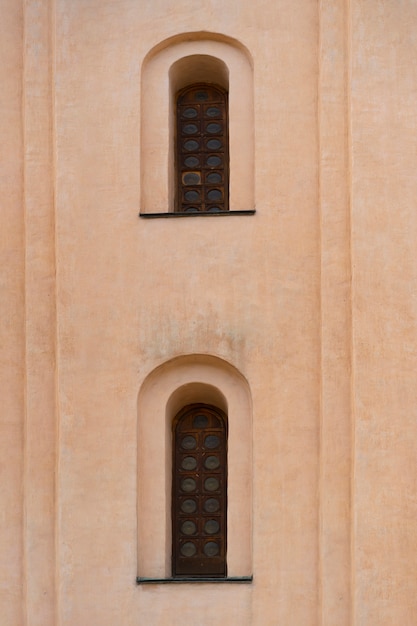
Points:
x=311 y=299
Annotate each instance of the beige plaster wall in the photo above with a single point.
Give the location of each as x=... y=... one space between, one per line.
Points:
x=311 y=300
x=384 y=230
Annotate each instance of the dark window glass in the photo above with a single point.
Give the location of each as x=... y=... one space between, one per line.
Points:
x=191 y=178
x=199 y=492
x=191 y=161
x=192 y=196
x=213 y=112
x=214 y=144
x=215 y=195
x=213 y=129
x=190 y=129
x=214 y=161
x=191 y=145
x=202 y=128
x=214 y=178
x=189 y=113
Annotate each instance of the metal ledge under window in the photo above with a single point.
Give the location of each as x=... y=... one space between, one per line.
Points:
x=208 y=579
x=199 y=214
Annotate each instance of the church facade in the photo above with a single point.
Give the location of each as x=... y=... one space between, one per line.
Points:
x=209 y=337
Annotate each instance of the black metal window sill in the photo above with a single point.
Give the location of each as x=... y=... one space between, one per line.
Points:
x=208 y=579
x=198 y=214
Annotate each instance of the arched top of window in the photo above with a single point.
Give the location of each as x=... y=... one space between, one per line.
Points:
x=202 y=149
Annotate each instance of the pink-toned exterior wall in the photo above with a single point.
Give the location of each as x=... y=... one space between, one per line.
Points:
x=312 y=301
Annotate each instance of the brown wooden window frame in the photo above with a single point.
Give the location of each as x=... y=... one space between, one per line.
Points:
x=202 y=149
x=199 y=492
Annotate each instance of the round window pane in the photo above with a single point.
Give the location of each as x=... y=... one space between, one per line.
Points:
x=213 y=112
x=214 y=195
x=200 y=421
x=211 y=484
x=213 y=128
x=201 y=95
x=192 y=196
x=188 y=549
x=190 y=129
x=188 y=442
x=189 y=113
x=192 y=209
x=188 y=484
x=188 y=506
x=211 y=505
x=214 y=160
x=211 y=527
x=191 y=145
x=191 y=161
x=189 y=463
x=188 y=528
x=212 y=462
x=214 y=178
x=211 y=441
x=214 y=144
x=211 y=548
x=191 y=178
x=214 y=209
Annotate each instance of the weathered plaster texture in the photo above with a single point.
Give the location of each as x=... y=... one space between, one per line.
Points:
x=311 y=301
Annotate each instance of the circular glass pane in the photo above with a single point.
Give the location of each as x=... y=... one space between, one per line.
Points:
x=191 y=161
x=188 y=484
x=211 y=548
x=211 y=505
x=214 y=209
x=188 y=549
x=212 y=462
x=188 y=506
x=191 y=209
x=211 y=484
x=189 y=463
x=211 y=527
x=214 y=177
x=189 y=113
x=211 y=441
x=213 y=128
x=213 y=112
x=201 y=95
x=214 y=144
x=192 y=195
x=190 y=129
x=188 y=528
x=191 y=178
x=200 y=421
x=190 y=145
x=214 y=160
x=188 y=443
x=214 y=195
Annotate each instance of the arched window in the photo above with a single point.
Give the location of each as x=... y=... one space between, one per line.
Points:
x=199 y=492
x=202 y=150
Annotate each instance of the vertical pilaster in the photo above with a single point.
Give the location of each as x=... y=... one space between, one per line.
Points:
x=335 y=436
x=40 y=361
x=11 y=314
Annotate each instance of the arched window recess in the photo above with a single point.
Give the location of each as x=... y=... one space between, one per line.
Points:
x=218 y=177
x=194 y=473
